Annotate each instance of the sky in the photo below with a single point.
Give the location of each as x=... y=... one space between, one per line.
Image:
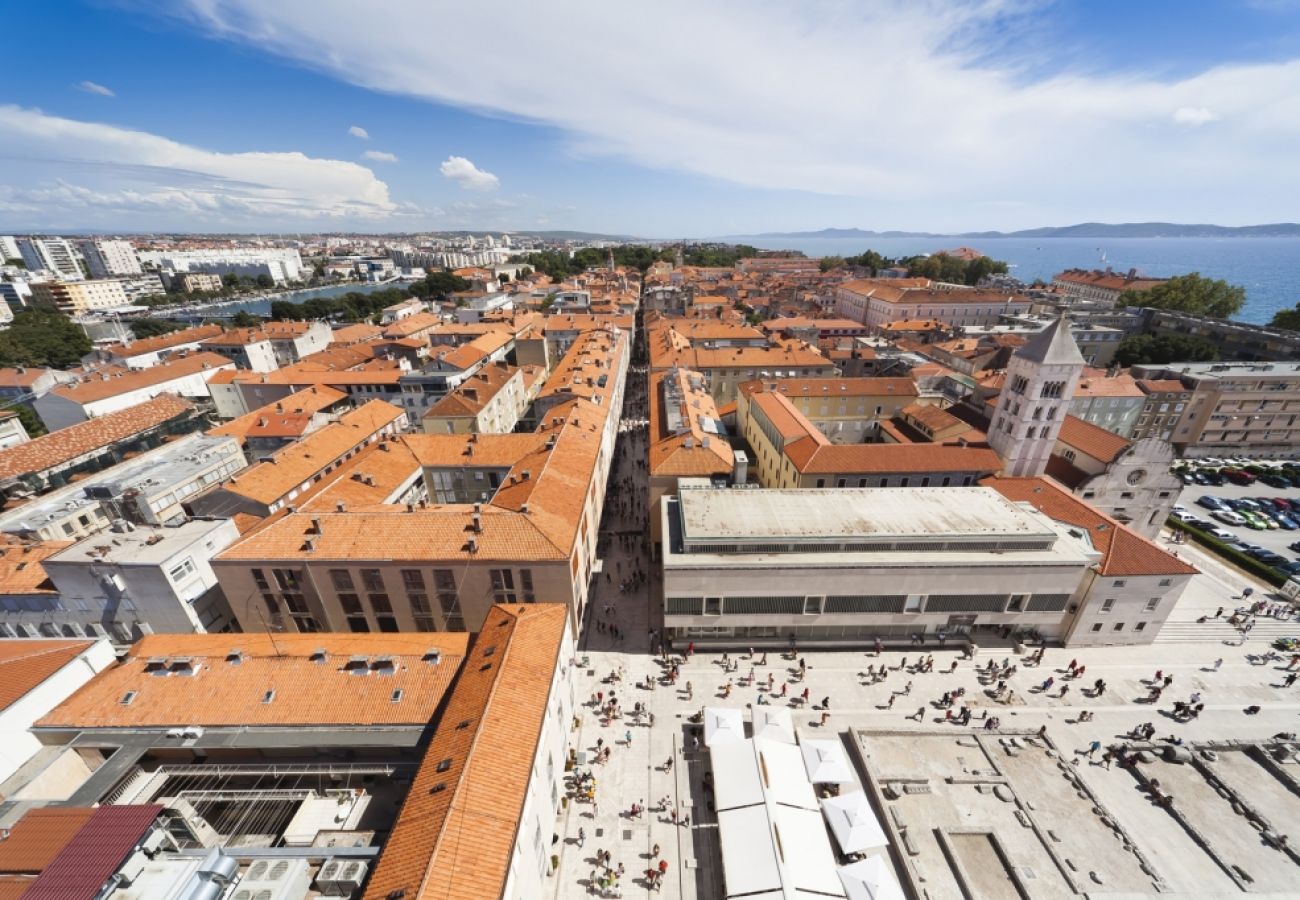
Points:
x=674 y=119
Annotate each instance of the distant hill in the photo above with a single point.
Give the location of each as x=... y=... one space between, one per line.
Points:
x=1082 y=230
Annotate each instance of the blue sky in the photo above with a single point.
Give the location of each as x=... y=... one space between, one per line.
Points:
x=681 y=120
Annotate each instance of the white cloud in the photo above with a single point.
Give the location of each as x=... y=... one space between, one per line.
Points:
x=91 y=87
x=380 y=156
x=467 y=175
x=358 y=132
x=1193 y=115
x=83 y=173
x=895 y=101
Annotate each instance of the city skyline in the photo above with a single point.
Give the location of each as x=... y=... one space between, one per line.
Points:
x=222 y=116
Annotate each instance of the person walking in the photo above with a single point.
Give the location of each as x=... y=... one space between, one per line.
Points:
x=1218 y=664
x=1093 y=748
x=582 y=838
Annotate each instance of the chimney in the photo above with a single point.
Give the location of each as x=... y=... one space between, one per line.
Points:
x=473 y=545
x=315 y=525
x=341 y=507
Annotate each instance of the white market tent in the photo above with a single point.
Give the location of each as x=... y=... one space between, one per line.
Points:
x=854 y=824
x=870 y=879
x=826 y=762
x=722 y=724
x=774 y=723
x=774 y=844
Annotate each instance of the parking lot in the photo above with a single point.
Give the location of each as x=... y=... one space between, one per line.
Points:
x=1278 y=540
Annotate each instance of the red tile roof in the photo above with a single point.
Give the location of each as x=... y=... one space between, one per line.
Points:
x=1092 y=440
x=1124 y=552
x=24 y=664
x=97 y=387
x=58 y=447
x=38 y=837
x=458 y=826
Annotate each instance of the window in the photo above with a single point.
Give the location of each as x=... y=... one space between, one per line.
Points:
x=1119 y=626
x=372 y=579
x=1153 y=603
x=526 y=585
x=1117 y=583
x=812 y=606
x=1108 y=604
x=1140 y=626
x=1165 y=582
x=503 y=586
x=1096 y=627
x=183 y=569
x=341 y=579
x=913 y=605
x=713 y=606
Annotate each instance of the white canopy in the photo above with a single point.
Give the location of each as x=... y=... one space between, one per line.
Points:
x=721 y=724
x=808 y=858
x=783 y=777
x=870 y=879
x=825 y=762
x=735 y=775
x=854 y=824
x=774 y=723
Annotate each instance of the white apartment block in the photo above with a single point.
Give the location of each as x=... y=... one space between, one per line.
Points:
x=280 y=264
x=105 y=258
x=51 y=255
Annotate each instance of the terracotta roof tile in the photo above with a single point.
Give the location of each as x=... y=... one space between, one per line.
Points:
x=21 y=572
x=1124 y=552
x=162 y=342
x=709 y=453
x=95 y=387
x=1092 y=440
x=24 y=664
x=67 y=444
x=36 y=839
x=222 y=692
x=458 y=826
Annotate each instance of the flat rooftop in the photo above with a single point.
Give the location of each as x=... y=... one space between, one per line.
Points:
x=145 y=546
x=860 y=515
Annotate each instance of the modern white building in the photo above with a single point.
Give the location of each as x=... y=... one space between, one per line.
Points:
x=9 y=249
x=107 y=258
x=148 y=489
x=50 y=254
x=79 y=297
x=134 y=580
x=279 y=264
x=39 y=675
x=853 y=564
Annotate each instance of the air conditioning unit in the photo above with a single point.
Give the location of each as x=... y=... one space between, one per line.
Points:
x=274 y=879
x=341 y=877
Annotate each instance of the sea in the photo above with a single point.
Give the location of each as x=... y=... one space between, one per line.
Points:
x=1268 y=268
x=261 y=306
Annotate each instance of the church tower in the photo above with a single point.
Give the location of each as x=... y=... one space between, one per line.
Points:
x=1040 y=383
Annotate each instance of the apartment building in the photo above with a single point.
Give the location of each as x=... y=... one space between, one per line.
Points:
x=60 y=457
x=109 y=258
x=50 y=254
x=271 y=345
x=791 y=452
x=77 y=298
x=1104 y=287
x=236 y=394
x=279 y=480
x=1250 y=409
x=279 y=264
x=845 y=410
x=491 y=401
x=135 y=580
x=195 y=282
x=141 y=354
x=1112 y=401
x=266 y=429
x=148 y=489
x=686 y=437
x=12 y=432
x=446 y=369
x=111 y=390
x=38 y=675
x=730 y=364
x=878 y=301
x=1162 y=406
x=513 y=518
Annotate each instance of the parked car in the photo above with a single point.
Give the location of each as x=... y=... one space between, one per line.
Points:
x=1294 y=547
x=1290 y=568
x=1268 y=557
x=1228 y=517
x=1222 y=534
x=1286 y=522
x=1239 y=476
x=1280 y=502
x=1253 y=520
x=1209 y=502
x=1213 y=477
x=1178 y=510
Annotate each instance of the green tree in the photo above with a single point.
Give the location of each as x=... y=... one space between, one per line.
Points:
x=43 y=337
x=1287 y=318
x=1190 y=294
x=439 y=285
x=148 y=327
x=831 y=262
x=1164 y=348
x=230 y=280
x=16 y=262
x=245 y=319
x=265 y=281
x=31 y=421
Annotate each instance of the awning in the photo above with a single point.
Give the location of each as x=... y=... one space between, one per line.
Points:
x=870 y=879
x=721 y=725
x=854 y=824
x=825 y=762
x=774 y=723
